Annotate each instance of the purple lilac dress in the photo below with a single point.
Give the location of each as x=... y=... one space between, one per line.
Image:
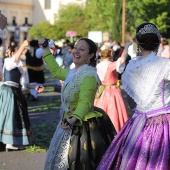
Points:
x=144 y=141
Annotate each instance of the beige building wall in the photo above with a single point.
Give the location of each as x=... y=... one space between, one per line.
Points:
x=41 y=13
x=17 y=12
x=32 y=11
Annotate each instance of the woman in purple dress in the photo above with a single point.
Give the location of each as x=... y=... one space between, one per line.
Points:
x=144 y=141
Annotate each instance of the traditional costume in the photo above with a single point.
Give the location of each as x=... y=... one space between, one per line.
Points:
x=83 y=146
x=14 y=119
x=143 y=142
x=109 y=96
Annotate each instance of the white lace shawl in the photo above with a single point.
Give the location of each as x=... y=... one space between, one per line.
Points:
x=71 y=85
x=142 y=77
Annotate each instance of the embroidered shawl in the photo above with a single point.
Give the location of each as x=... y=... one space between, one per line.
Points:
x=142 y=77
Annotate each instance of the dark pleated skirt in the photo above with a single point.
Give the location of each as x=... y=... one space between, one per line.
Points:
x=36 y=76
x=90 y=141
x=14 y=119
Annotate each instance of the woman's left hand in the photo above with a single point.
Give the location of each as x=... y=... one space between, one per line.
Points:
x=64 y=124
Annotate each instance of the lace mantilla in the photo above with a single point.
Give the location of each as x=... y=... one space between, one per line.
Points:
x=142 y=77
x=73 y=81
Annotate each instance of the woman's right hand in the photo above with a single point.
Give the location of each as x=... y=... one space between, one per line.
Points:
x=26 y=43
x=68 y=123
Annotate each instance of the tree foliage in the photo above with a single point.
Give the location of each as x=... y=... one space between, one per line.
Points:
x=71 y=18
x=99 y=15
x=105 y=16
x=154 y=11
x=42 y=29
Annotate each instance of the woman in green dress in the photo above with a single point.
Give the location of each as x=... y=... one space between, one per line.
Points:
x=85 y=132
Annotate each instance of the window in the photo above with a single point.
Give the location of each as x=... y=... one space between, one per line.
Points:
x=47 y=4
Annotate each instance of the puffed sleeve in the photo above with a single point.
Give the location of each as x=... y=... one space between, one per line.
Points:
x=10 y=64
x=119 y=68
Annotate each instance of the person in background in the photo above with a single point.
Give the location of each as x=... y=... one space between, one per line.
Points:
x=68 y=57
x=64 y=48
x=3 y=23
x=144 y=140
x=165 y=48
x=15 y=128
x=109 y=96
x=2 y=51
x=117 y=50
x=35 y=67
x=84 y=132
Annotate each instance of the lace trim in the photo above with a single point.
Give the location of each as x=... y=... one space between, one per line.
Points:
x=57 y=157
x=142 y=77
x=72 y=86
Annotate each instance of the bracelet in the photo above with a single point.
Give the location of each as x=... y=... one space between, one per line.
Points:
x=68 y=124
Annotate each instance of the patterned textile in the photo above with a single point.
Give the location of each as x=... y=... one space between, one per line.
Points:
x=14 y=120
x=84 y=146
x=142 y=77
x=150 y=150
x=144 y=141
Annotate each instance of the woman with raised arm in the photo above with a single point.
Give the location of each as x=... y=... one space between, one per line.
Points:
x=85 y=132
x=143 y=142
x=15 y=130
x=108 y=96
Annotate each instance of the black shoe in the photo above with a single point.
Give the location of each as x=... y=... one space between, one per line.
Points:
x=2 y=147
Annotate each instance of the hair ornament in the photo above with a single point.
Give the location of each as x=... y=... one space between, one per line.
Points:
x=104 y=47
x=149 y=29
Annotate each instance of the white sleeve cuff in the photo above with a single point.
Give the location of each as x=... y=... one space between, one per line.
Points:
x=1 y=32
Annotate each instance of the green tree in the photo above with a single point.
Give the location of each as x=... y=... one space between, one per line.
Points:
x=99 y=15
x=42 y=29
x=117 y=16
x=154 y=11
x=71 y=18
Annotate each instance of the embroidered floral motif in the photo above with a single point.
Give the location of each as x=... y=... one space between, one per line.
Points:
x=73 y=85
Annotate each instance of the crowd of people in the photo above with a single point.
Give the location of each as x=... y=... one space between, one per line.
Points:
x=96 y=130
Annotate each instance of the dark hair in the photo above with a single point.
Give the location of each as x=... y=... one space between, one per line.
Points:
x=150 y=40
x=34 y=43
x=92 y=49
x=0 y=41
x=165 y=42
x=9 y=50
x=70 y=45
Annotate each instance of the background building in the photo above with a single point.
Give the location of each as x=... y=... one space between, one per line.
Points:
x=22 y=14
